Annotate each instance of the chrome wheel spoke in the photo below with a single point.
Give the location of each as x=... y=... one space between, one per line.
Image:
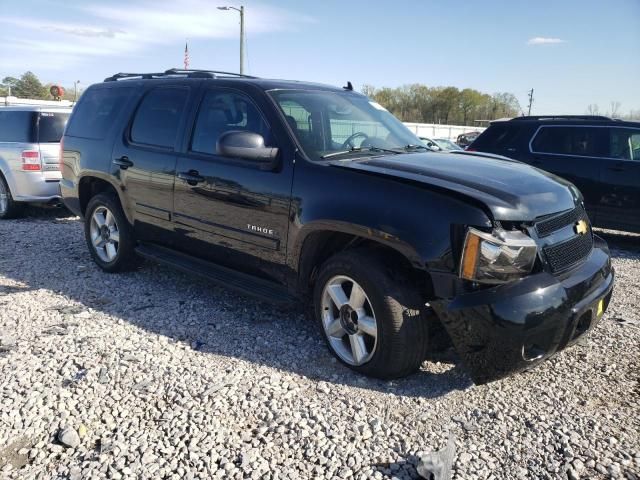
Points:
x=109 y=220
x=111 y=251
x=368 y=325
x=114 y=236
x=357 y=297
x=97 y=241
x=334 y=329
x=358 y=348
x=337 y=294
x=98 y=217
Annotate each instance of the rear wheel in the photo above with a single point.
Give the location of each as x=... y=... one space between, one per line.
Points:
x=9 y=208
x=108 y=234
x=372 y=319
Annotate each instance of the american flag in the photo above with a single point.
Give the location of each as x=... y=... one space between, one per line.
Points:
x=186 y=56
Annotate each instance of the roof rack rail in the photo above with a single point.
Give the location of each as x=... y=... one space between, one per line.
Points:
x=176 y=72
x=562 y=117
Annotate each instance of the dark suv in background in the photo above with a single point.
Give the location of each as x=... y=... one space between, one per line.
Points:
x=599 y=155
x=298 y=191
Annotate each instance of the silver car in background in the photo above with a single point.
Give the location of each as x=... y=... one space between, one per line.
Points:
x=29 y=156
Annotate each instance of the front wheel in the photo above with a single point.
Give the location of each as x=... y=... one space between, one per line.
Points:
x=108 y=234
x=372 y=320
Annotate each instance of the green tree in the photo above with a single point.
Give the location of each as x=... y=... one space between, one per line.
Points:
x=28 y=86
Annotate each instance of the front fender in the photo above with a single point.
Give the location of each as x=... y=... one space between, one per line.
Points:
x=415 y=221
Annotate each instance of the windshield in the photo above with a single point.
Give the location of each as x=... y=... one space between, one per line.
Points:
x=328 y=123
x=51 y=126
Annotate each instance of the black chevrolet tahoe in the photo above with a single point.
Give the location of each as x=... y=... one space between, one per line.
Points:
x=297 y=191
x=599 y=155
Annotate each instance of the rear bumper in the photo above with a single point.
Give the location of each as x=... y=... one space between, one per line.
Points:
x=41 y=187
x=509 y=328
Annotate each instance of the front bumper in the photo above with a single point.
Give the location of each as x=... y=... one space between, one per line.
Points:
x=509 y=328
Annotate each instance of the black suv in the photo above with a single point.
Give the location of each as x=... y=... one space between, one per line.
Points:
x=599 y=155
x=297 y=191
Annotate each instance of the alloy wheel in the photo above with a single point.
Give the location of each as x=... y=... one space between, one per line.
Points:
x=349 y=321
x=105 y=235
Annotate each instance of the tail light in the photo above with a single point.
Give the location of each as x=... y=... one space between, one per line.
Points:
x=471 y=149
x=31 y=160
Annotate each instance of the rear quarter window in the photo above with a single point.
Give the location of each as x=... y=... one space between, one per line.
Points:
x=96 y=112
x=51 y=126
x=17 y=126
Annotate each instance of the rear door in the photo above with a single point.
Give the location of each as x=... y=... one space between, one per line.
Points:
x=575 y=153
x=144 y=157
x=619 y=206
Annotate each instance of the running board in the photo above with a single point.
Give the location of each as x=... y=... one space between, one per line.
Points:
x=223 y=276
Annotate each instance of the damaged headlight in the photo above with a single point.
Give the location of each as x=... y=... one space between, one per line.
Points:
x=497 y=257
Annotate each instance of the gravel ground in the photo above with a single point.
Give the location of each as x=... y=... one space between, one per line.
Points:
x=153 y=374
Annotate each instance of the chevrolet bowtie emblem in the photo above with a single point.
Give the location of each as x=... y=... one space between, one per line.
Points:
x=581 y=227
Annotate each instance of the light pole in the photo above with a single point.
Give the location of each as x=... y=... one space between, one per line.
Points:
x=75 y=90
x=241 y=11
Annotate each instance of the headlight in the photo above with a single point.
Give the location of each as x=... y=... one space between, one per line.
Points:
x=498 y=257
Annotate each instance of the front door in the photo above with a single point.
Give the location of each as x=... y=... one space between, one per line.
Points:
x=620 y=204
x=145 y=158
x=228 y=210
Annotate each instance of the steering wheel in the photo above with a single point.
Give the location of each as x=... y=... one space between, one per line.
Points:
x=348 y=143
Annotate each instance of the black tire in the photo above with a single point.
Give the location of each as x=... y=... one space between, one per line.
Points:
x=12 y=209
x=402 y=323
x=125 y=258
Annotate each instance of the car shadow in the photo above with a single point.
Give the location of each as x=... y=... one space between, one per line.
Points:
x=209 y=319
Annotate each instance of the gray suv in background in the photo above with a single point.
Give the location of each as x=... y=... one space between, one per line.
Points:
x=29 y=156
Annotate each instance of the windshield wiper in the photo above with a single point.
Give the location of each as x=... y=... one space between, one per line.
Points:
x=358 y=150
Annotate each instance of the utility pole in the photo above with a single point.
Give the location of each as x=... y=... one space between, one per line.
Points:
x=530 y=101
x=75 y=90
x=241 y=40
x=241 y=11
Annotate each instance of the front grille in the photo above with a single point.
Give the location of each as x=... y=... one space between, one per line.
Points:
x=550 y=225
x=569 y=253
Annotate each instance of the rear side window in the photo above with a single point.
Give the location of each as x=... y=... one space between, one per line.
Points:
x=96 y=111
x=158 y=117
x=624 y=143
x=51 y=126
x=579 y=141
x=17 y=126
x=497 y=136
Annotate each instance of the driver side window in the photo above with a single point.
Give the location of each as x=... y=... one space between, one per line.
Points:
x=222 y=111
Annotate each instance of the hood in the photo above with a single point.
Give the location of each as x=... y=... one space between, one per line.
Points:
x=511 y=190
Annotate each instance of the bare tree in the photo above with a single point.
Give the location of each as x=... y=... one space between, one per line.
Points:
x=593 y=109
x=615 y=108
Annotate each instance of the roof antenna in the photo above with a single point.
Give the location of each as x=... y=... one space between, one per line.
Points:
x=349 y=86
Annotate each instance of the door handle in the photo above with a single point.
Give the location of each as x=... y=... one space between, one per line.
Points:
x=617 y=167
x=123 y=162
x=192 y=177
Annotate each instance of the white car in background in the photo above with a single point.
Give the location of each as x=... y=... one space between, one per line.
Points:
x=439 y=144
x=29 y=156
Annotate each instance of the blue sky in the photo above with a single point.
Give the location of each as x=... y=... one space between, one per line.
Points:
x=572 y=52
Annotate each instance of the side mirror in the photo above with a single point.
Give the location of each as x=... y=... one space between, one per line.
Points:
x=247 y=146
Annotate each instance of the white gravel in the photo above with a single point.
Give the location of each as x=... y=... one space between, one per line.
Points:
x=153 y=374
